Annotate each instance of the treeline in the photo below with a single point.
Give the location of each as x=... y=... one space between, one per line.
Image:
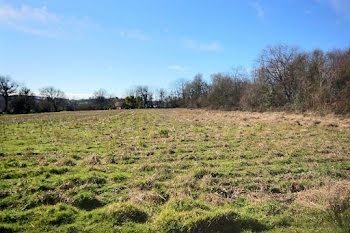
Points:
x=20 y=100
x=284 y=78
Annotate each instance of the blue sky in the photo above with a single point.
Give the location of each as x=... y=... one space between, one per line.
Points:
x=80 y=46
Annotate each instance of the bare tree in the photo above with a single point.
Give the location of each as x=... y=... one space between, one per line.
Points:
x=54 y=96
x=7 y=88
x=24 y=102
x=100 y=94
x=226 y=90
x=145 y=94
x=238 y=72
x=177 y=93
x=161 y=96
x=196 y=92
x=276 y=68
x=179 y=90
x=100 y=98
x=339 y=80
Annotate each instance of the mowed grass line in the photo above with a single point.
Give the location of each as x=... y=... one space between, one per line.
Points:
x=174 y=170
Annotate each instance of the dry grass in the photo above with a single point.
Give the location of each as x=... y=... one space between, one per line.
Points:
x=277 y=168
x=323 y=196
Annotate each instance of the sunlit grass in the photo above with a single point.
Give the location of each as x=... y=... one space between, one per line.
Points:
x=172 y=171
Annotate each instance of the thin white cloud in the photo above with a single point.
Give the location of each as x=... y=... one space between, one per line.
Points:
x=340 y=7
x=9 y=13
x=202 y=46
x=134 y=34
x=40 y=21
x=259 y=10
x=176 y=68
x=213 y=46
x=191 y=44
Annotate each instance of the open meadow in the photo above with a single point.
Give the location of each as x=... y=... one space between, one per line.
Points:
x=174 y=170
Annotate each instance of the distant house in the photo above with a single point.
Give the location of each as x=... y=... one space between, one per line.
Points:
x=119 y=105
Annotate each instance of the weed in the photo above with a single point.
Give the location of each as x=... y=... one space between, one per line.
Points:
x=141 y=143
x=164 y=133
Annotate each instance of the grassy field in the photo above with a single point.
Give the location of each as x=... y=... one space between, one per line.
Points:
x=174 y=171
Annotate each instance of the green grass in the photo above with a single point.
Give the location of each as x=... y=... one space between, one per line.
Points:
x=174 y=171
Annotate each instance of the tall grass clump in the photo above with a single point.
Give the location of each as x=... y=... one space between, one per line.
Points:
x=339 y=213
